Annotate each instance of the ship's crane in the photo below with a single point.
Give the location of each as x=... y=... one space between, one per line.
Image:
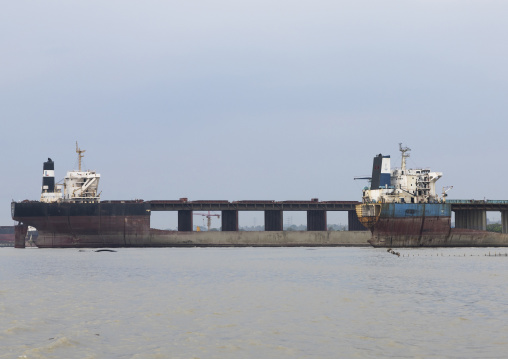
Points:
x=446 y=189
x=209 y=218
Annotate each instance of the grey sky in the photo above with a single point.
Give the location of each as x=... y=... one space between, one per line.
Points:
x=233 y=100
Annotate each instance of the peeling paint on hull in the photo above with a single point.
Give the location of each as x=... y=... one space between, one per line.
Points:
x=98 y=225
x=425 y=225
x=456 y=238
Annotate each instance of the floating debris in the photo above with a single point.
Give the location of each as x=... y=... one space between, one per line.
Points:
x=393 y=252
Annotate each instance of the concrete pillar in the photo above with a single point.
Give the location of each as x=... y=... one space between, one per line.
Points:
x=459 y=219
x=353 y=223
x=185 y=221
x=471 y=219
x=229 y=220
x=273 y=220
x=504 y=221
x=316 y=220
x=19 y=235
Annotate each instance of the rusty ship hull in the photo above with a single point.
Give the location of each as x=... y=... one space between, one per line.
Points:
x=91 y=225
x=108 y=224
x=399 y=225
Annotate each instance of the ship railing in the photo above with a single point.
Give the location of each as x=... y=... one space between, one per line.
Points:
x=473 y=201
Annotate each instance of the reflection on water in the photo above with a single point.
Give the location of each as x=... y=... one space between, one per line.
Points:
x=253 y=303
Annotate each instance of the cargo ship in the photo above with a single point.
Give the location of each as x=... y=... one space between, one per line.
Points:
x=71 y=214
x=402 y=209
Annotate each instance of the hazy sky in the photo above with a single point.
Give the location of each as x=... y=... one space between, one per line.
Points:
x=281 y=100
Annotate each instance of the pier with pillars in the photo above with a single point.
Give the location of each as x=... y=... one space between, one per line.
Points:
x=472 y=214
x=273 y=212
x=469 y=214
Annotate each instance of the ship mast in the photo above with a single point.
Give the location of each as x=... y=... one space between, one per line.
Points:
x=404 y=156
x=80 y=155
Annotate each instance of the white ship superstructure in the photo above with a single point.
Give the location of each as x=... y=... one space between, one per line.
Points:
x=401 y=185
x=78 y=186
x=81 y=186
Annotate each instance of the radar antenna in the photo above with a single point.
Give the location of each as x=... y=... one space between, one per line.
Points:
x=80 y=155
x=404 y=155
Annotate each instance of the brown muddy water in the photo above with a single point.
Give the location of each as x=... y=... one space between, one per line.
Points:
x=253 y=303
